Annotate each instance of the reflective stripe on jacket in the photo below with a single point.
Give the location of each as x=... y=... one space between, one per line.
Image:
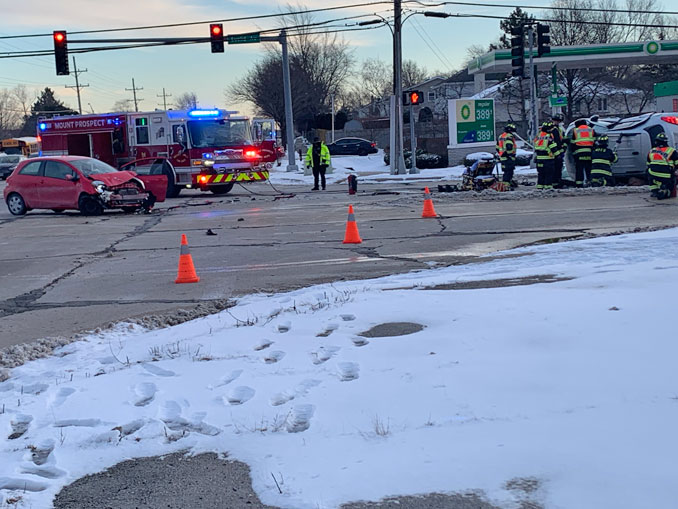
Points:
x=506 y=146
x=582 y=140
x=661 y=162
x=324 y=155
x=545 y=146
x=603 y=159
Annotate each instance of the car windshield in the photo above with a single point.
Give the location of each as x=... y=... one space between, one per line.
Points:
x=10 y=159
x=90 y=167
x=219 y=133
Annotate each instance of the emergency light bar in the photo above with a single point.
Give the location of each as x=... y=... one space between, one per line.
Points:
x=42 y=126
x=204 y=113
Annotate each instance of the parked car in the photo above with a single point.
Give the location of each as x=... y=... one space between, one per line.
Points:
x=80 y=183
x=301 y=146
x=7 y=164
x=352 y=146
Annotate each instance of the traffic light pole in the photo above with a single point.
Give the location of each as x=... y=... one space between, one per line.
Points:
x=534 y=114
x=413 y=142
x=289 y=117
x=397 y=158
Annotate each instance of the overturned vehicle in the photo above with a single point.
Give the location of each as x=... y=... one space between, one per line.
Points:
x=80 y=183
x=631 y=138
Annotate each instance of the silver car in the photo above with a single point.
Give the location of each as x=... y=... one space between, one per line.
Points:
x=631 y=138
x=7 y=164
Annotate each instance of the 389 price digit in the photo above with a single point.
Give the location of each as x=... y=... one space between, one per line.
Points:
x=484 y=135
x=483 y=114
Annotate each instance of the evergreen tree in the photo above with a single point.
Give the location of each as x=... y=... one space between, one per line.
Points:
x=516 y=19
x=46 y=105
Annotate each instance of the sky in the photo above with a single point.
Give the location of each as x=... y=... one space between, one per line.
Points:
x=437 y=44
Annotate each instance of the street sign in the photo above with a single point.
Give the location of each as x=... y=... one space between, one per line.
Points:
x=471 y=122
x=243 y=38
x=558 y=101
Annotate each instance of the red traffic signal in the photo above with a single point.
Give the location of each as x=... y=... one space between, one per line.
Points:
x=61 y=52
x=217 y=37
x=415 y=97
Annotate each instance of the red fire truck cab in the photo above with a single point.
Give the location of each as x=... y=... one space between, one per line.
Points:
x=209 y=149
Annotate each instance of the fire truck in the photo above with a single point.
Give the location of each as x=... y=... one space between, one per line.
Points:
x=210 y=149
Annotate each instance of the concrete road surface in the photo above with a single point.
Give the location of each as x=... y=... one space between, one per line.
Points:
x=61 y=274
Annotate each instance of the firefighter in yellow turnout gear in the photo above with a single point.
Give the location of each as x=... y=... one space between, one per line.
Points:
x=545 y=148
x=318 y=158
x=602 y=159
x=506 y=150
x=661 y=167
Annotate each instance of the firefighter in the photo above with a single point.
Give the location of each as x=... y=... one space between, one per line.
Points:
x=602 y=159
x=318 y=158
x=506 y=150
x=545 y=148
x=661 y=167
x=581 y=145
x=559 y=137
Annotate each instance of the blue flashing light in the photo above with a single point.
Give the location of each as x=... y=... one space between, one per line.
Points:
x=42 y=126
x=204 y=113
x=207 y=155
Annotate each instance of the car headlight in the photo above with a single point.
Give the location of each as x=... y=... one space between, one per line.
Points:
x=99 y=186
x=208 y=162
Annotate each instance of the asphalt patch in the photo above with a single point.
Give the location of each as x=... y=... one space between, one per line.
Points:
x=430 y=501
x=175 y=481
x=390 y=329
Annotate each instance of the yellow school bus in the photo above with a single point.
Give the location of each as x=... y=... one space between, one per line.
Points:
x=27 y=146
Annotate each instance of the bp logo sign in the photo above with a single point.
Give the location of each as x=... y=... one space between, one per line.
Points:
x=652 y=48
x=471 y=122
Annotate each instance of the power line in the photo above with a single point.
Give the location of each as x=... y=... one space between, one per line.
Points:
x=435 y=49
x=77 y=86
x=544 y=8
x=205 y=22
x=164 y=96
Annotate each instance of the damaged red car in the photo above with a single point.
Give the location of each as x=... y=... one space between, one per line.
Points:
x=80 y=183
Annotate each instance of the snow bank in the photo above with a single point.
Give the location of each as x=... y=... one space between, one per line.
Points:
x=570 y=383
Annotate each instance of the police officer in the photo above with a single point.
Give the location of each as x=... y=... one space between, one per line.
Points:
x=506 y=150
x=318 y=158
x=661 y=167
x=545 y=147
x=581 y=145
x=602 y=159
x=559 y=137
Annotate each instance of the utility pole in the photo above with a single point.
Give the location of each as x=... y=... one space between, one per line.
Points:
x=398 y=161
x=90 y=107
x=413 y=142
x=77 y=85
x=134 y=92
x=164 y=98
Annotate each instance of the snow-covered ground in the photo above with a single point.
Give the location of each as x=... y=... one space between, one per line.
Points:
x=371 y=168
x=571 y=384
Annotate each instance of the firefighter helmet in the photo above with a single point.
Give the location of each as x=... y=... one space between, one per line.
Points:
x=580 y=122
x=547 y=126
x=661 y=140
x=510 y=128
x=557 y=117
x=602 y=140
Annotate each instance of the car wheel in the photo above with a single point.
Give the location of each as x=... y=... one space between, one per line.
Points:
x=16 y=204
x=58 y=211
x=223 y=189
x=362 y=152
x=90 y=206
x=173 y=190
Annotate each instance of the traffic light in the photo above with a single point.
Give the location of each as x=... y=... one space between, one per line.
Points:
x=61 y=52
x=413 y=97
x=217 y=37
x=517 y=52
x=543 y=39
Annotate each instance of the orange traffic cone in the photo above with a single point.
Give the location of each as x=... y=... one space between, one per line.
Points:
x=429 y=211
x=352 y=236
x=186 y=273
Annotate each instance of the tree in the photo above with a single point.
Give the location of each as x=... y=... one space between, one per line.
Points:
x=413 y=73
x=46 y=105
x=320 y=64
x=9 y=115
x=186 y=101
x=516 y=19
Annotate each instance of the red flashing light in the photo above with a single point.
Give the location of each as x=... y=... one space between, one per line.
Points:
x=39 y=139
x=671 y=120
x=59 y=36
x=203 y=179
x=216 y=29
x=251 y=154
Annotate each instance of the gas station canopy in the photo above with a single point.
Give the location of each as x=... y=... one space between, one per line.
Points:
x=582 y=57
